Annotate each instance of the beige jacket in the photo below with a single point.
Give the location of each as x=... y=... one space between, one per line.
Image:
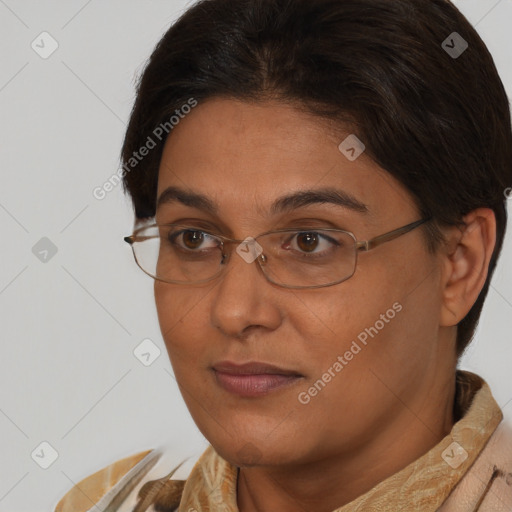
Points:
x=470 y=470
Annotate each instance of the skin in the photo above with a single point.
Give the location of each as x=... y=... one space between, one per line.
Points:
x=393 y=401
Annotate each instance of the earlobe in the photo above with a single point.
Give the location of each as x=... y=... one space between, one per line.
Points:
x=467 y=256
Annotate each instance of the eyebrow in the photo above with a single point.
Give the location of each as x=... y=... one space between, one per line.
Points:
x=283 y=204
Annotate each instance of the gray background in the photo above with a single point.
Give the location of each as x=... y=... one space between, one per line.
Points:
x=70 y=324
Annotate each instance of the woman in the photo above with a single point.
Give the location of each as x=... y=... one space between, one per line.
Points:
x=322 y=225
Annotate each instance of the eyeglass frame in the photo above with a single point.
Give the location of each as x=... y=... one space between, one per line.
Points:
x=359 y=246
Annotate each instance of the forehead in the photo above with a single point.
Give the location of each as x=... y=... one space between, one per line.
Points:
x=247 y=155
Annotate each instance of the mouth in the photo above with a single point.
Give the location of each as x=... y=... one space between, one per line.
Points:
x=253 y=379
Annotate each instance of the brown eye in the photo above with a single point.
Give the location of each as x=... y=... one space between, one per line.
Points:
x=193 y=239
x=311 y=244
x=307 y=242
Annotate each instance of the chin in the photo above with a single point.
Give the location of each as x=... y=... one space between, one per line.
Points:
x=249 y=452
x=249 y=438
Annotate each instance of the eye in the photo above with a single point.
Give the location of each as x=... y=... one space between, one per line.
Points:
x=308 y=241
x=192 y=239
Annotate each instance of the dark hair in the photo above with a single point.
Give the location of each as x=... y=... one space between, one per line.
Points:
x=438 y=122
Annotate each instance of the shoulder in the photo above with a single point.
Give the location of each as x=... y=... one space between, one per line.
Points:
x=82 y=496
x=488 y=482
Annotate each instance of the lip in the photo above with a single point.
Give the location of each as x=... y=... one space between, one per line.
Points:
x=252 y=368
x=253 y=379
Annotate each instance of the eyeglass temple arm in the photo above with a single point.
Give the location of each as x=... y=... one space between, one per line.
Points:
x=136 y=238
x=386 y=237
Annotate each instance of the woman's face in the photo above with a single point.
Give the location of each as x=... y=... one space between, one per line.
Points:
x=360 y=351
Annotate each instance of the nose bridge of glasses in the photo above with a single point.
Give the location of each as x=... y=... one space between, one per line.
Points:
x=248 y=249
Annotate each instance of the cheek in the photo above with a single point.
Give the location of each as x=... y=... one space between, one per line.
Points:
x=181 y=319
x=399 y=322
x=332 y=318
x=390 y=315
x=168 y=308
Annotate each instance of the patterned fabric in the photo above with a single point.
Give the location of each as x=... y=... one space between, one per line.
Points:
x=439 y=478
x=90 y=490
x=422 y=485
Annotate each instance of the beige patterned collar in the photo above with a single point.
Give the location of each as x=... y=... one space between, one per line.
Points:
x=422 y=485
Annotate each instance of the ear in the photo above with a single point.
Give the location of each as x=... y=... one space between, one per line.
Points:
x=466 y=258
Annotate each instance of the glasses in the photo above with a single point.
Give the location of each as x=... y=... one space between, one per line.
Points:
x=291 y=258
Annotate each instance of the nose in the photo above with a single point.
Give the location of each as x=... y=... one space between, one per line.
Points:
x=244 y=297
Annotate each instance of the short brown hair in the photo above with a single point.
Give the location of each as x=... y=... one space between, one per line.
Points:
x=438 y=123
